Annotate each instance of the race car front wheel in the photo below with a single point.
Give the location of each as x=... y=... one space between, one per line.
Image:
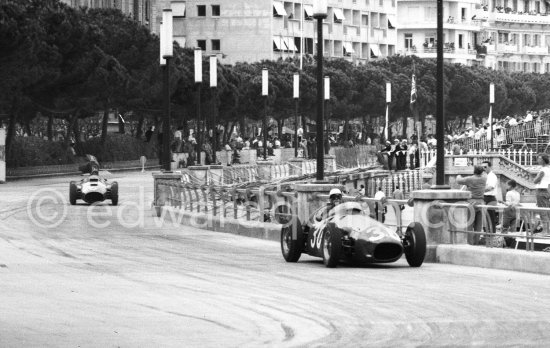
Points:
x=292 y=241
x=72 y=193
x=332 y=247
x=114 y=193
x=414 y=244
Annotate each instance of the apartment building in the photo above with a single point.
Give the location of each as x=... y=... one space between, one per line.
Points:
x=511 y=35
x=417 y=30
x=515 y=35
x=244 y=30
x=143 y=11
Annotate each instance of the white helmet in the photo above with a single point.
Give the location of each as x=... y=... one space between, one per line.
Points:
x=335 y=191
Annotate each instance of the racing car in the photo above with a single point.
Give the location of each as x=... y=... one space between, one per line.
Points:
x=93 y=188
x=348 y=233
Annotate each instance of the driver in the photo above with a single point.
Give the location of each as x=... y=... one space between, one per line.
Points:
x=335 y=197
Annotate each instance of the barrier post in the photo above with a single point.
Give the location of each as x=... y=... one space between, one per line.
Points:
x=439 y=222
x=199 y=174
x=2 y=155
x=216 y=174
x=264 y=170
x=330 y=163
x=161 y=193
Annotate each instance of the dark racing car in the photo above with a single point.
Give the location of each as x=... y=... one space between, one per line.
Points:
x=93 y=188
x=347 y=232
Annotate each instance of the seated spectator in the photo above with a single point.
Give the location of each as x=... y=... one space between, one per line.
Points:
x=512 y=201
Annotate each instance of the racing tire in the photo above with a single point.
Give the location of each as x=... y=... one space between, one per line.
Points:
x=415 y=244
x=292 y=248
x=331 y=247
x=114 y=193
x=72 y=193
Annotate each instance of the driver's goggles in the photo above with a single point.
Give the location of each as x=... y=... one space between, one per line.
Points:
x=336 y=197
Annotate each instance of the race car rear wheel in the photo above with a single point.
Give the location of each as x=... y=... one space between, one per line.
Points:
x=332 y=247
x=72 y=193
x=414 y=244
x=114 y=193
x=292 y=241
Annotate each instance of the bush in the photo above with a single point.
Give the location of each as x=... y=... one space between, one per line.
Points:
x=35 y=151
x=119 y=147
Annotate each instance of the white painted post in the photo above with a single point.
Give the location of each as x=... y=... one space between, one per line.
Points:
x=2 y=155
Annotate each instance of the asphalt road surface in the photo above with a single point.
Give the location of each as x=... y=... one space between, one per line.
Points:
x=75 y=276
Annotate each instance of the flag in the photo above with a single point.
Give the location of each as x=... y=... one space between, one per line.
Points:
x=413 y=90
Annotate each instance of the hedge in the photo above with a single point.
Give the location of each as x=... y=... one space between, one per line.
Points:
x=35 y=151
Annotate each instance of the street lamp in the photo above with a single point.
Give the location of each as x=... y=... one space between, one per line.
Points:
x=296 y=101
x=166 y=53
x=325 y=110
x=491 y=102
x=198 y=81
x=265 y=82
x=388 y=101
x=213 y=85
x=320 y=9
x=440 y=112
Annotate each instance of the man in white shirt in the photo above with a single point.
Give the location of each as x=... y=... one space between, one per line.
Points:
x=512 y=122
x=381 y=196
x=529 y=117
x=490 y=194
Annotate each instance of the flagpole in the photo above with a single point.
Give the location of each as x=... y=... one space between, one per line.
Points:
x=387 y=120
x=302 y=35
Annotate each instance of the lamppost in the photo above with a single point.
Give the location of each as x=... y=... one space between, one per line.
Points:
x=166 y=53
x=265 y=82
x=388 y=101
x=213 y=87
x=325 y=110
x=491 y=102
x=320 y=8
x=296 y=101
x=198 y=81
x=440 y=113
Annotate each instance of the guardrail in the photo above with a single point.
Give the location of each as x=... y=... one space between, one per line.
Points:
x=507 y=135
x=263 y=204
x=525 y=224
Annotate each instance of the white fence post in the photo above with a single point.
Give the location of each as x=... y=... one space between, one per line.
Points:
x=2 y=155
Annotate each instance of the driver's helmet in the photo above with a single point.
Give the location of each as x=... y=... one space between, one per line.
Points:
x=335 y=194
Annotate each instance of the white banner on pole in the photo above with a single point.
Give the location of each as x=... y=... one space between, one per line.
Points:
x=387 y=122
x=2 y=155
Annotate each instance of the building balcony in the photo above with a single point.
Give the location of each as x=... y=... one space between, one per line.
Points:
x=453 y=24
x=512 y=17
x=522 y=18
x=431 y=52
x=535 y=50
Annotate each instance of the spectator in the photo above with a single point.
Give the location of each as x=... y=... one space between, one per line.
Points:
x=380 y=205
x=398 y=194
x=149 y=134
x=490 y=194
x=512 y=201
x=476 y=185
x=362 y=190
x=542 y=180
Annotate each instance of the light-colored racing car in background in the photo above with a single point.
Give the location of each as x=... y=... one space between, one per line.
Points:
x=93 y=188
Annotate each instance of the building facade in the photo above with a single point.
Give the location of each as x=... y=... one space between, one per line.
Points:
x=417 y=30
x=510 y=35
x=516 y=35
x=244 y=30
x=143 y=11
